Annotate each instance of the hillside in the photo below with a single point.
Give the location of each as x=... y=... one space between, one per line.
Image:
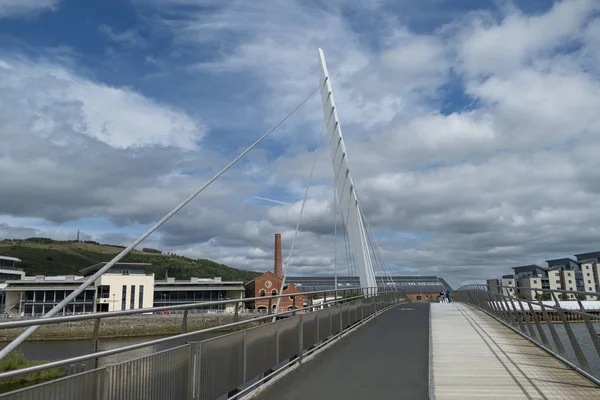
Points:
x=42 y=256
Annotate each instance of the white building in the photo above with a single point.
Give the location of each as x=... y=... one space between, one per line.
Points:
x=590 y=272
x=8 y=272
x=509 y=285
x=126 y=286
x=570 y=273
x=493 y=285
x=530 y=277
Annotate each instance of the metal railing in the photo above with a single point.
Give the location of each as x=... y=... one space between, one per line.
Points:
x=556 y=320
x=219 y=366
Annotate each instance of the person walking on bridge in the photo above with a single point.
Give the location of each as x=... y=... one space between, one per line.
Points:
x=441 y=296
x=448 y=296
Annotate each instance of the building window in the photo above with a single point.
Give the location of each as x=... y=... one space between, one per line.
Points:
x=141 y=299
x=534 y=282
x=558 y=282
x=570 y=281
x=262 y=293
x=103 y=292
x=588 y=274
x=273 y=292
x=124 y=297
x=132 y=302
x=589 y=281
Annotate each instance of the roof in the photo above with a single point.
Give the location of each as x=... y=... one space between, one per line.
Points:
x=412 y=283
x=525 y=268
x=50 y=286
x=199 y=282
x=96 y=267
x=10 y=258
x=265 y=273
x=561 y=261
x=588 y=256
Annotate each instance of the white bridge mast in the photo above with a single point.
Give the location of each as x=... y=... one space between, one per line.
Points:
x=344 y=185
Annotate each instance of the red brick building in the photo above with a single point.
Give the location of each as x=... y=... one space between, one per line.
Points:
x=269 y=284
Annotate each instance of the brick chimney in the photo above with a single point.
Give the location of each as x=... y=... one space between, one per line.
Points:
x=278 y=270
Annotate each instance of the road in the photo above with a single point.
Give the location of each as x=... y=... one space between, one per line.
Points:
x=387 y=358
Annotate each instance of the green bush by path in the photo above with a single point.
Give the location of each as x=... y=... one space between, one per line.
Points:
x=16 y=360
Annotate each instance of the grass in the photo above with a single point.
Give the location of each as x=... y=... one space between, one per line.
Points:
x=42 y=256
x=16 y=360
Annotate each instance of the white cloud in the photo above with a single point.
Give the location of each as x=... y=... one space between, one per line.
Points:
x=21 y=8
x=128 y=38
x=119 y=117
x=500 y=47
x=505 y=177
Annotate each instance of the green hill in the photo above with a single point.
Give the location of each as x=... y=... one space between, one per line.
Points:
x=42 y=256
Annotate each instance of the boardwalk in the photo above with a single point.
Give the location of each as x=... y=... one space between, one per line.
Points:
x=475 y=357
x=384 y=359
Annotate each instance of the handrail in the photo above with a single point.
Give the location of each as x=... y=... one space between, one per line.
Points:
x=104 y=353
x=507 y=308
x=111 y=314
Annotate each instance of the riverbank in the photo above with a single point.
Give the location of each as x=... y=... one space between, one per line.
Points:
x=127 y=326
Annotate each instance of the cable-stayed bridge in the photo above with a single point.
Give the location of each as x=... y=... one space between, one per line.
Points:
x=364 y=342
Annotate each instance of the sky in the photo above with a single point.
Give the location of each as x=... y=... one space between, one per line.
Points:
x=472 y=127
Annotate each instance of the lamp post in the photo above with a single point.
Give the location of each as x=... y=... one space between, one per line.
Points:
x=113 y=302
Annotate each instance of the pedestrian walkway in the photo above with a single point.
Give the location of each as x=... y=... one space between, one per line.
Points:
x=476 y=357
x=384 y=359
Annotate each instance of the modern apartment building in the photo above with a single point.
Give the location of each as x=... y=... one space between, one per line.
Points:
x=570 y=274
x=566 y=273
x=8 y=271
x=590 y=272
x=509 y=285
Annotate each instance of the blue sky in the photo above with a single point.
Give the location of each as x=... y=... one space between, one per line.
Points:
x=471 y=126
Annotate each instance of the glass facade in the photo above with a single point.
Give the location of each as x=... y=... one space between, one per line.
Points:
x=173 y=297
x=132 y=300
x=124 y=298
x=39 y=302
x=141 y=297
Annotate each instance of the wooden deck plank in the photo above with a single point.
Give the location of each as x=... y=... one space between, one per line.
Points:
x=476 y=357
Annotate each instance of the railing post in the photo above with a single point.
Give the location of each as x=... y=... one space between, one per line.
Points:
x=557 y=342
x=536 y=320
x=236 y=315
x=590 y=327
x=184 y=323
x=96 y=340
x=576 y=348
x=301 y=338
x=270 y=306
x=527 y=319
x=294 y=305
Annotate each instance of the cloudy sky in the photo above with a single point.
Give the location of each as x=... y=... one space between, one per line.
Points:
x=472 y=127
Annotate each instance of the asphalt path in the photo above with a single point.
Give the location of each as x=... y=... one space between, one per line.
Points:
x=387 y=358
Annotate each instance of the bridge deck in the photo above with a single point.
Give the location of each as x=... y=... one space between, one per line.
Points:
x=384 y=359
x=476 y=357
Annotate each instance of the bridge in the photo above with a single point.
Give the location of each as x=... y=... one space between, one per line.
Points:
x=368 y=341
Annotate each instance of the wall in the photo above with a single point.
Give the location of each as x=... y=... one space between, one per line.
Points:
x=526 y=284
x=116 y=282
x=568 y=282
x=510 y=282
x=271 y=283
x=589 y=278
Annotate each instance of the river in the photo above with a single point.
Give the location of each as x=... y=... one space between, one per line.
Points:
x=51 y=350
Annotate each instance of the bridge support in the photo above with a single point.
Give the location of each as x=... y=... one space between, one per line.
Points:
x=344 y=185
